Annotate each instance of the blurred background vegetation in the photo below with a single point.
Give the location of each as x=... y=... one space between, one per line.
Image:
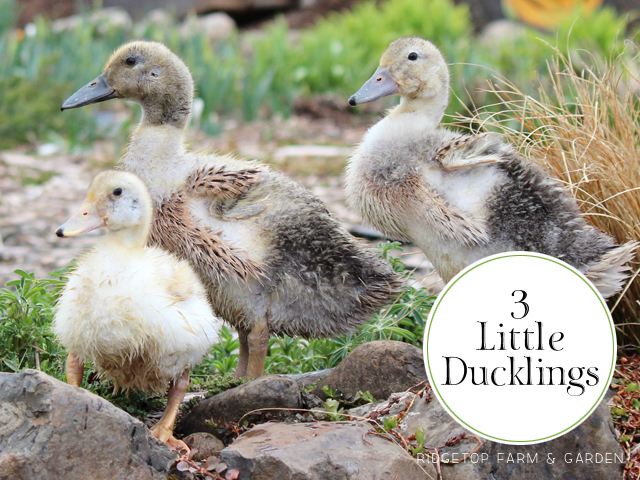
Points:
x=261 y=72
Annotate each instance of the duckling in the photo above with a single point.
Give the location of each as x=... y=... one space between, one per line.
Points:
x=138 y=313
x=270 y=254
x=462 y=197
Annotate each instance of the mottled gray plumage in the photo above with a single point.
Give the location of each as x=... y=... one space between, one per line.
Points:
x=464 y=197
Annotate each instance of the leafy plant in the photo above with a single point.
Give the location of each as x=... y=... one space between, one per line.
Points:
x=332 y=407
x=26 y=340
x=420 y=440
x=389 y=423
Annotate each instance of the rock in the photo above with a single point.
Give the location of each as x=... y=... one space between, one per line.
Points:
x=572 y=452
x=319 y=451
x=104 y=19
x=381 y=367
x=158 y=18
x=307 y=379
x=206 y=444
x=51 y=430
x=502 y=33
x=216 y=26
x=211 y=415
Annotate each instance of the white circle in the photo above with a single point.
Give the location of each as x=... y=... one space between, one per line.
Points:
x=565 y=311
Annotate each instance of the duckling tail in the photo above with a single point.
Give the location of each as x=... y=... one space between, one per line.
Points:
x=611 y=271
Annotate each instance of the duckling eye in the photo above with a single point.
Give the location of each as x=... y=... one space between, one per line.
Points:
x=117 y=192
x=130 y=61
x=413 y=56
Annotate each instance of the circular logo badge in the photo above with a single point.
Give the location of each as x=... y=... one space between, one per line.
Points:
x=520 y=348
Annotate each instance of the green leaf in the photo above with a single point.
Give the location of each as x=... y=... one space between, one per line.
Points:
x=389 y=423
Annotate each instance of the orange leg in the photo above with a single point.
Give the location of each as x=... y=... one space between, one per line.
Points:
x=75 y=370
x=258 y=340
x=163 y=430
x=243 y=356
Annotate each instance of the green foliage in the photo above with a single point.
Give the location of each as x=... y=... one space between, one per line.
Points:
x=26 y=340
x=259 y=75
x=342 y=51
x=389 y=423
x=366 y=397
x=221 y=358
x=523 y=58
x=420 y=440
x=8 y=15
x=332 y=407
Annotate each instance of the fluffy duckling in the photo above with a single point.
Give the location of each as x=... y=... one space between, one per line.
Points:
x=271 y=256
x=139 y=314
x=459 y=197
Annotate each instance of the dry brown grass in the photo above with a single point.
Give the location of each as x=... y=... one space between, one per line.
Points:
x=585 y=129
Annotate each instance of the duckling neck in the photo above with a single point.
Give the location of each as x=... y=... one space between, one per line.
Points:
x=131 y=239
x=426 y=111
x=172 y=110
x=152 y=144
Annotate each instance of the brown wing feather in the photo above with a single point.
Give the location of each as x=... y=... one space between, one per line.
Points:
x=219 y=182
x=174 y=229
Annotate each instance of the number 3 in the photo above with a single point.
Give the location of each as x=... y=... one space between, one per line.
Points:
x=526 y=305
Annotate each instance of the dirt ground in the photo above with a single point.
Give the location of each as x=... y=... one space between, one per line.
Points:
x=39 y=192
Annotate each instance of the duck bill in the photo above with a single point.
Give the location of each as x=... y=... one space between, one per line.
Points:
x=95 y=91
x=379 y=85
x=85 y=220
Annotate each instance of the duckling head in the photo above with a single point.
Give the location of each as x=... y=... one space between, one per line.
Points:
x=415 y=69
x=117 y=201
x=147 y=73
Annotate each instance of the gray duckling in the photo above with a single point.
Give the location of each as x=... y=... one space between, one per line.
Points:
x=270 y=254
x=463 y=197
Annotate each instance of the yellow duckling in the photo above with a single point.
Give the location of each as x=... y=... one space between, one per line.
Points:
x=139 y=314
x=461 y=198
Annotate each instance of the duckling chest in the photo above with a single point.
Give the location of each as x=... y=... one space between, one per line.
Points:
x=382 y=192
x=109 y=304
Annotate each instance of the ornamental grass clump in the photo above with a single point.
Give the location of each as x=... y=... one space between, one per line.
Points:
x=584 y=128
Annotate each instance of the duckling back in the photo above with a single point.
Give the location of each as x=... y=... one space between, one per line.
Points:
x=322 y=281
x=477 y=198
x=315 y=279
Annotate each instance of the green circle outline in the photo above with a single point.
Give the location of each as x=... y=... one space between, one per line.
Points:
x=581 y=277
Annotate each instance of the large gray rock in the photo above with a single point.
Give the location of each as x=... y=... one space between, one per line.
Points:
x=51 y=430
x=381 y=367
x=320 y=451
x=574 y=453
x=213 y=414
